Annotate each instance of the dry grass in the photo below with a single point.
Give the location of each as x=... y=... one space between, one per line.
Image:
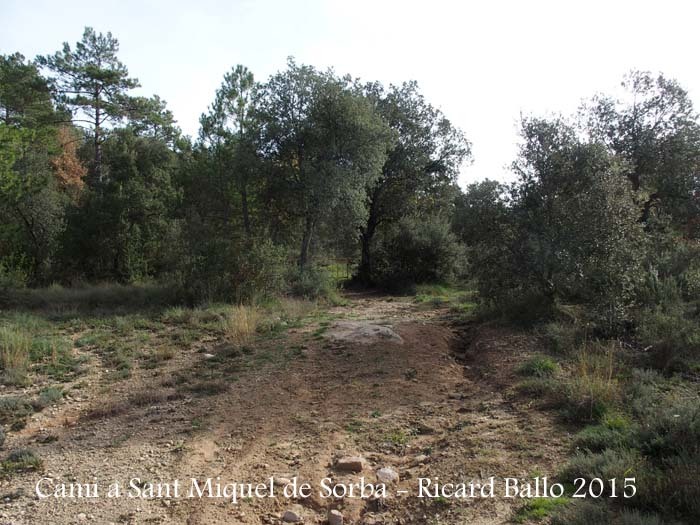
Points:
x=163 y=353
x=140 y=399
x=14 y=354
x=241 y=323
x=593 y=388
x=295 y=309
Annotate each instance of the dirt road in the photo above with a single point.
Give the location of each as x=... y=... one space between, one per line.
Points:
x=408 y=406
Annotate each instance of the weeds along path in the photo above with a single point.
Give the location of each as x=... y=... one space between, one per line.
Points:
x=289 y=405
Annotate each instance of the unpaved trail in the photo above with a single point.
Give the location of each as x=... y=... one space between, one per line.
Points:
x=432 y=406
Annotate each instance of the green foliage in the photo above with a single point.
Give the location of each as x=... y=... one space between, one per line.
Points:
x=323 y=142
x=314 y=282
x=20 y=460
x=615 y=432
x=619 y=464
x=539 y=366
x=671 y=334
x=584 y=512
x=14 y=410
x=418 y=250
x=420 y=168
x=125 y=231
x=224 y=270
x=539 y=508
x=562 y=337
x=572 y=231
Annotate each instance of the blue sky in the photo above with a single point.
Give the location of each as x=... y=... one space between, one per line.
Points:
x=482 y=63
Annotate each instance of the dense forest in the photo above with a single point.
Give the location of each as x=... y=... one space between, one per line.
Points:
x=303 y=169
x=295 y=179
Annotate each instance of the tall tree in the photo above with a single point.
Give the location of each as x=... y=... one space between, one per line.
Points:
x=31 y=203
x=25 y=98
x=324 y=142
x=423 y=161
x=226 y=128
x=94 y=84
x=655 y=129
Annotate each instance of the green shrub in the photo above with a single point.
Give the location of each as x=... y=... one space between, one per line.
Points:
x=671 y=334
x=619 y=464
x=48 y=396
x=642 y=391
x=592 y=389
x=12 y=277
x=539 y=387
x=14 y=410
x=562 y=337
x=539 y=508
x=21 y=460
x=584 y=512
x=222 y=270
x=614 y=432
x=671 y=428
x=539 y=366
x=418 y=250
x=15 y=346
x=314 y=282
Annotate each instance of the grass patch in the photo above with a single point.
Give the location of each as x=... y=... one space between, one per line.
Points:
x=241 y=323
x=209 y=387
x=398 y=438
x=539 y=366
x=14 y=410
x=21 y=460
x=109 y=297
x=15 y=346
x=537 y=509
x=48 y=396
x=157 y=357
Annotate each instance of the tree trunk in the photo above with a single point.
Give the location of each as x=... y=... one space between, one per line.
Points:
x=364 y=271
x=98 y=148
x=306 y=243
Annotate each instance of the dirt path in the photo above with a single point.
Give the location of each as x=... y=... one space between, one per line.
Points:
x=411 y=406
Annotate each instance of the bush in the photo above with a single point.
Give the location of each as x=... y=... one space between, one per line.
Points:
x=671 y=334
x=598 y=513
x=571 y=233
x=539 y=366
x=671 y=428
x=614 y=432
x=562 y=337
x=592 y=389
x=21 y=460
x=418 y=250
x=15 y=346
x=619 y=464
x=313 y=282
x=220 y=270
x=583 y=512
x=537 y=509
x=12 y=277
x=241 y=323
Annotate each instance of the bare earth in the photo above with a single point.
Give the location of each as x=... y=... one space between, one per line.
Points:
x=431 y=404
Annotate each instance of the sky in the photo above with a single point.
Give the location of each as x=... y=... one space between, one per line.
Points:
x=484 y=64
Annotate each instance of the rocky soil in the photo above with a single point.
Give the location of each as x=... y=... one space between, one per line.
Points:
x=389 y=392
